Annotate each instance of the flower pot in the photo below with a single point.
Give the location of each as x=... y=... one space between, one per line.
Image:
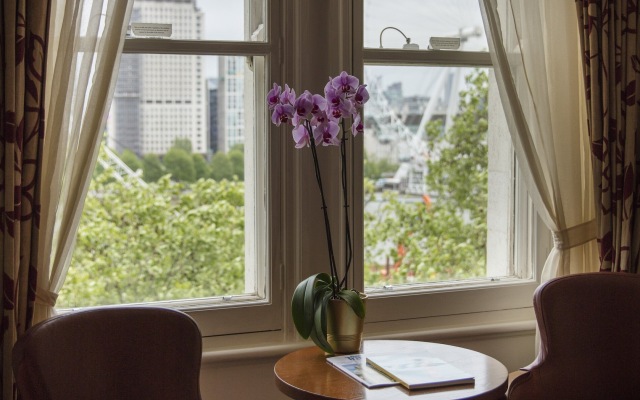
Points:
x=344 y=327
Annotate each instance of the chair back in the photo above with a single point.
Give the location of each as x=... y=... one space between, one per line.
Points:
x=589 y=348
x=123 y=353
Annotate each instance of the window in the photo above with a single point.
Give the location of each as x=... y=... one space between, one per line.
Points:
x=445 y=216
x=197 y=239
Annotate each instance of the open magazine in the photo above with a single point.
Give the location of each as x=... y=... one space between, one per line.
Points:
x=355 y=366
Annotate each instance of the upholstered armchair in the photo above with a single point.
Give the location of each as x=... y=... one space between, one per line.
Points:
x=589 y=339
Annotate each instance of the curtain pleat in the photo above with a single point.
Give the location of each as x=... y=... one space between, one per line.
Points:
x=535 y=52
x=23 y=52
x=610 y=47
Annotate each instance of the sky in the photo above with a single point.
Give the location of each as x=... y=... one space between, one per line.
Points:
x=417 y=19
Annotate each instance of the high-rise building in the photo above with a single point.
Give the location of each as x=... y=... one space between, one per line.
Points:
x=212 y=88
x=158 y=97
x=231 y=105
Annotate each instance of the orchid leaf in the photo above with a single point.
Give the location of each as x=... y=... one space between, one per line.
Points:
x=302 y=303
x=319 y=331
x=353 y=300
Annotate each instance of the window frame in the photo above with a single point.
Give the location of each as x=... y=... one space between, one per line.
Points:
x=388 y=310
x=242 y=313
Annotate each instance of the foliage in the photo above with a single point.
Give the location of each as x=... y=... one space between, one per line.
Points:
x=152 y=168
x=179 y=164
x=374 y=169
x=221 y=167
x=161 y=242
x=200 y=165
x=131 y=159
x=443 y=235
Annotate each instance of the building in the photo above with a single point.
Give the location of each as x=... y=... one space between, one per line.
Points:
x=231 y=107
x=212 y=90
x=158 y=97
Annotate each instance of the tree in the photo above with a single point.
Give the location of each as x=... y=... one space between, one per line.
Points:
x=443 y=236
x=236 y=158
x=184 y=144
x=179 y=164
x=169 y=240
x=131 y=159
x=200 y=165
x=221 y=167
x=152 y=168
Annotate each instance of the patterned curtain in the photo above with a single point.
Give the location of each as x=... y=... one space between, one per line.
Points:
x=610 y=45
x=23 y=46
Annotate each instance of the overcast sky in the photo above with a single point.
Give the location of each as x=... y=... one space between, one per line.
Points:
x=417 y=19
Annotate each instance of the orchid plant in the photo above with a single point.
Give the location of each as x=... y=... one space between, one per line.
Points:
x=316 y=120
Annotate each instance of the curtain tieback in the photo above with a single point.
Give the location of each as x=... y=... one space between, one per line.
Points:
x=575 y=236
x=46 y=297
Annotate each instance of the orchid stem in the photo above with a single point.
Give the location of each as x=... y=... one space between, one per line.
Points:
x=332 y=262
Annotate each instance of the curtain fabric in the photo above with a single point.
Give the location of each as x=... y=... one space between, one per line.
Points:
x=23 y=53
x=611 y=45
x=534 y=48
x=86 y=39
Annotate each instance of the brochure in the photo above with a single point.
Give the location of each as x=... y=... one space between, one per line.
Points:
x=419 y=371
x=355 y=366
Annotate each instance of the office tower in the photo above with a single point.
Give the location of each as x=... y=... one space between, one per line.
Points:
x=212 y=88
x=159 y=97
x=231 y=105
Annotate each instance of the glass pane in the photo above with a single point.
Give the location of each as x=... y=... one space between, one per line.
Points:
x=427 y=171
x=165 y=215
x=202 y=19
x=421 y=20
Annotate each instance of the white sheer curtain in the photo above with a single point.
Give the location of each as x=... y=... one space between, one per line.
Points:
x=535 y=51
x=85 y=42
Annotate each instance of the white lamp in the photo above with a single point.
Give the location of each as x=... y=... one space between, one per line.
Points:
x=406 y=46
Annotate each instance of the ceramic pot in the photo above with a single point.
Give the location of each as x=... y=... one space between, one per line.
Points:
x=344 y=327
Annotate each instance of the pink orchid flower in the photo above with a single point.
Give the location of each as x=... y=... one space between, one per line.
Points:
x=301 y=136
x=357 y=126
x=288 y=96
x=273 y=97
x=345 y=83
x=282 y=113
x=360 y=97
x=327 y=134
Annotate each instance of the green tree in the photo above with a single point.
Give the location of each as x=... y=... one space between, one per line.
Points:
x=236 y=158
x=443 y=236
x=169 y=240
x=179 y=164
x=184 y=144
x=131 y=159
x=200 y=165
x=374 y=169
x=152 y=168
x=221 y=167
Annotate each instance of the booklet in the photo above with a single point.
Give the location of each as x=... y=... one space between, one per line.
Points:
x=355 y=366
x=419 y=371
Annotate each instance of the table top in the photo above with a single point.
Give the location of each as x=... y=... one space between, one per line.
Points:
x=305 y=374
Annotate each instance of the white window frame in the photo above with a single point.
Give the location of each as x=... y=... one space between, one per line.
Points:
x=390 y=310
x=229 y=315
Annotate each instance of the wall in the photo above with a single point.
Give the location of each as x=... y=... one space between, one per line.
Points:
x=251 y=378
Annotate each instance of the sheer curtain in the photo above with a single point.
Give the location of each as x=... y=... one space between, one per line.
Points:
x=535 y=51
x=86 y=39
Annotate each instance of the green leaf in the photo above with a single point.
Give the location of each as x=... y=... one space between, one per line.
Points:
x=353 y=300
x=302 y=303
x=319 y=331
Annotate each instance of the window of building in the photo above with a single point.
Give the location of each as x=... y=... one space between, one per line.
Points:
x=165 y=222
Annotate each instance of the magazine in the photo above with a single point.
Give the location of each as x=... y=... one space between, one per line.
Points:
x=416 y=371
x=355 y=366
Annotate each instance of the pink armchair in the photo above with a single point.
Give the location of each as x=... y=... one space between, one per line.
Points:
x=124 y=353
x=590 y=339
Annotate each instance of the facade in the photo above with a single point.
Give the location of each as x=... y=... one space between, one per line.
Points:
x=212 y=88
x=231 y=107
x=159 y=97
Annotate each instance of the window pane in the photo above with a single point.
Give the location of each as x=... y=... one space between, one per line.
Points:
x=203 y=19
x=431 y=178
x=166 y=215
x=422 y=19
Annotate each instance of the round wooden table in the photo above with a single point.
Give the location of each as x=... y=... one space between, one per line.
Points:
x=306 y=375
